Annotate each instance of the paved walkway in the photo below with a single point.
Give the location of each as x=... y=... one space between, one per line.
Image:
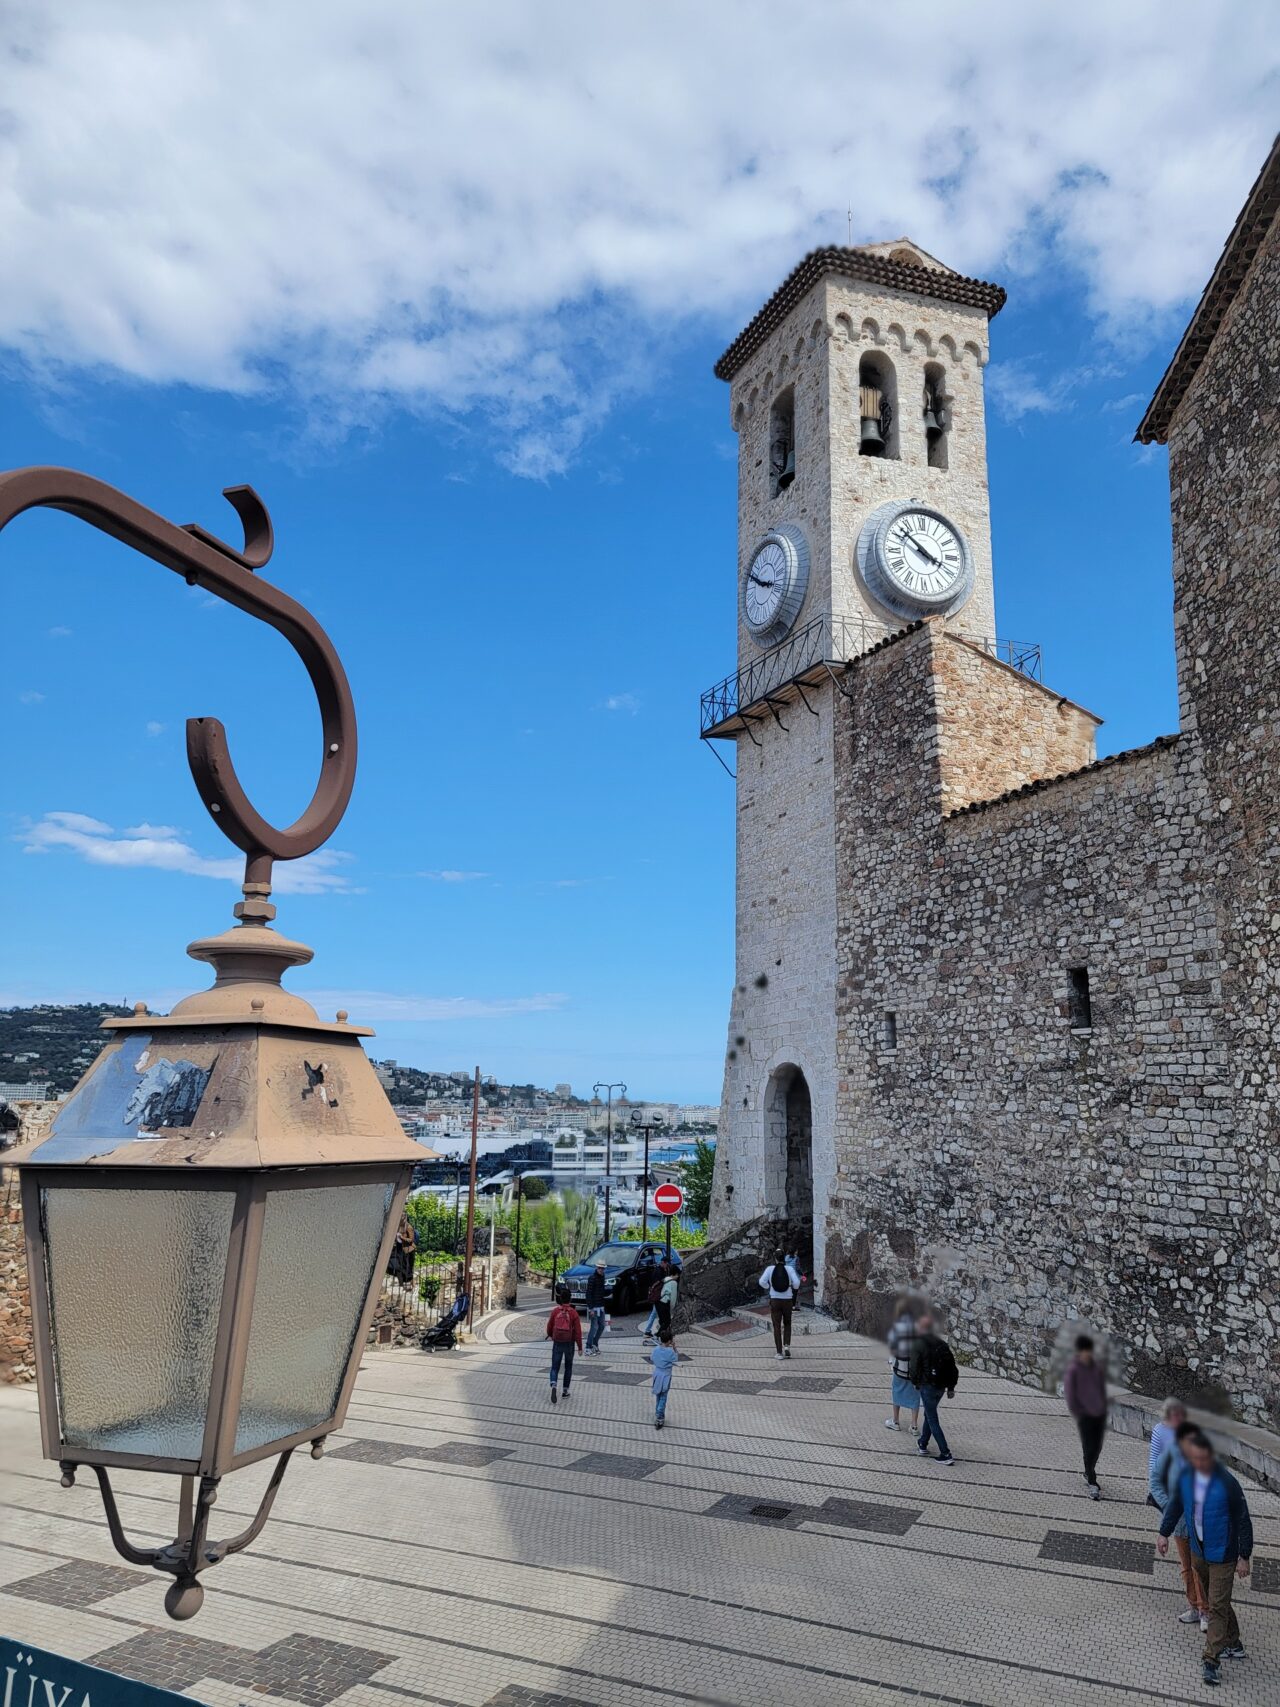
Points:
x=465 y=1545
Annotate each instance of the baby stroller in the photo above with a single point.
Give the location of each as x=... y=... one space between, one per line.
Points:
x=444 y=1336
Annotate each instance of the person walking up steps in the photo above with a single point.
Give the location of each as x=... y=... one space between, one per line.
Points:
x=781 y=1281
x=902 y=1337
x=564 y=1330
x=667 y=1302
x=1220 y=1533
x=1162 y=1485
x=655 y=1293
x=664 y=1358
x=595 y=1301
x=932 y=1372
x=1085 y=1388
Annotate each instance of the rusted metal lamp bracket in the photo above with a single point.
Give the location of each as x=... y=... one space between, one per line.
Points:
x=203 y=560
x=192 y=1551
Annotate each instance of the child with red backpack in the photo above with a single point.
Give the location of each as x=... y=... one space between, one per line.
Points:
x=564 y=1330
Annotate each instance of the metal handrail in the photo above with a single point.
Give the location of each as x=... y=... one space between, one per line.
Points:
x=829 y=640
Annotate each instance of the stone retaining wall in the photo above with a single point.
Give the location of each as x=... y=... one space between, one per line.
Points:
x=17 y=1360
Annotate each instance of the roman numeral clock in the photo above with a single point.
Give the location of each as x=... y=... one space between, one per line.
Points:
x=914 y=560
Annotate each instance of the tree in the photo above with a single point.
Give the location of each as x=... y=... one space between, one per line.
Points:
x=532 y=1188
x=695 y=1176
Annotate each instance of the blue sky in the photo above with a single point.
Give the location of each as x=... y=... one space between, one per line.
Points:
x=470 y=375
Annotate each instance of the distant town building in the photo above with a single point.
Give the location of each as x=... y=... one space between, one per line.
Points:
x=564 y=1093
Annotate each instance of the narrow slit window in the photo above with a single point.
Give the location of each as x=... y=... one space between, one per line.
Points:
x=1079 y=1005
x=782 y=441
x=890 y=1029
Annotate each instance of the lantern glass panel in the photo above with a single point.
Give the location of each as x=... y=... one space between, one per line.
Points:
x=319 y=1248
x=135 y=1288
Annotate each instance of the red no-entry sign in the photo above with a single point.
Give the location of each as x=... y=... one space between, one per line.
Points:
x=668 y=1200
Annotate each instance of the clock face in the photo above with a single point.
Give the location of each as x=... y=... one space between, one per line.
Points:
x=922 y=554
x=767 y=577
x=914 y=561
x=773 y=587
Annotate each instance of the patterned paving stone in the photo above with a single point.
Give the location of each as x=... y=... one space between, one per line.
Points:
x=861 y=1514
x=376 y=1451
x=728 y=1384
x=516 y=1695
x=757 y=1509
x=616 y=1464
x=463 y=1452
x=306 y=1669
x=397 y=1451
x=722 y=1330
x=1105 y=1551
x=77 y=1584
x=609 y=1377
x=1265 y=1576
x=804 y=1384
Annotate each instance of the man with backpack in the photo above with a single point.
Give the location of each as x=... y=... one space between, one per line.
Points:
x=1220 y=1532
x=564 y=1330
x=781 y=1281
x=932 y=1373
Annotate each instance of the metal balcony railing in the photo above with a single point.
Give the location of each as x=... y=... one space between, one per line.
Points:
x=828 y=641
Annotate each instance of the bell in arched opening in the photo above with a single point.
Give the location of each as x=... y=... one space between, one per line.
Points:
x=871 y=409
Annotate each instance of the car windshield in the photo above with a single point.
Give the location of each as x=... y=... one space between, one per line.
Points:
x=613 y=1255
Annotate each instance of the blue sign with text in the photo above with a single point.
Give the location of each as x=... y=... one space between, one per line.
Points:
x=33 y=1678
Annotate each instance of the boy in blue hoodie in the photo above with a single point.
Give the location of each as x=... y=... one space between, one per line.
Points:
x=1220 y=1532
x=664 y=1358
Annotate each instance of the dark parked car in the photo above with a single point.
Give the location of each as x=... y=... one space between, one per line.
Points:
x=628 y=1275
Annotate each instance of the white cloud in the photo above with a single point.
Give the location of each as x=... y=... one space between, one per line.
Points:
x=160 y=847
x=380 y=1005
x=1015 y=389
x=453 y=876
x=622 y=702
x=504 y=211
x=58 y=632
x=31 y=696
x=154 y=728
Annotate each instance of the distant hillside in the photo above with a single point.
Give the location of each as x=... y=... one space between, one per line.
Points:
x=59 y=1042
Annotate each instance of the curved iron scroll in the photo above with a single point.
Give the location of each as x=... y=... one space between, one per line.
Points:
x=205 y=561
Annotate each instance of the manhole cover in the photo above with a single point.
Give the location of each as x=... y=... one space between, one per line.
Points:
x=774 y=1512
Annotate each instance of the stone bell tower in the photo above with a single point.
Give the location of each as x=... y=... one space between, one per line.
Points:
x=857 y=397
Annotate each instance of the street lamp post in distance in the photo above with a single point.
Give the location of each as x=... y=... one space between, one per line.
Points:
x=638 y=1120
x=609 y=1089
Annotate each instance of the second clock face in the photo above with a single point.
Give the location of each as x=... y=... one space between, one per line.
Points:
x=923 y=555
x=914 y=560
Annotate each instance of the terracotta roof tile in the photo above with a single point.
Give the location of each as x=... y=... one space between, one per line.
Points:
x=1247 y=235
x=858 y=264
x=1131 y=753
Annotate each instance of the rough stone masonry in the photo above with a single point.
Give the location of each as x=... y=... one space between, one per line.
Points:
x=1027 y=1161
x=1019 y=1008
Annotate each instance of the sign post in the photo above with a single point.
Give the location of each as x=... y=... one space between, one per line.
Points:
x=668 y=1200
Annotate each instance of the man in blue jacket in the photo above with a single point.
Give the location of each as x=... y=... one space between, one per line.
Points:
x=1221 y=1535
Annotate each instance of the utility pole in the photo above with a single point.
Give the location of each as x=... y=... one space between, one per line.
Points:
x=609 y=1089
x=471 y=1191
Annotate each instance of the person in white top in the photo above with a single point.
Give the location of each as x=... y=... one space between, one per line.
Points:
x=781 y=1280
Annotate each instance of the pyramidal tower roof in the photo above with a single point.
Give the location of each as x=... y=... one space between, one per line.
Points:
x=897 y=265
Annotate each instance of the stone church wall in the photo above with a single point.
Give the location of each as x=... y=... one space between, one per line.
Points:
x=1224 y=464
x=1023 y=1172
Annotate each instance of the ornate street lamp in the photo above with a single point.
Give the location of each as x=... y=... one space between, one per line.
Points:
x=210 y=1216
